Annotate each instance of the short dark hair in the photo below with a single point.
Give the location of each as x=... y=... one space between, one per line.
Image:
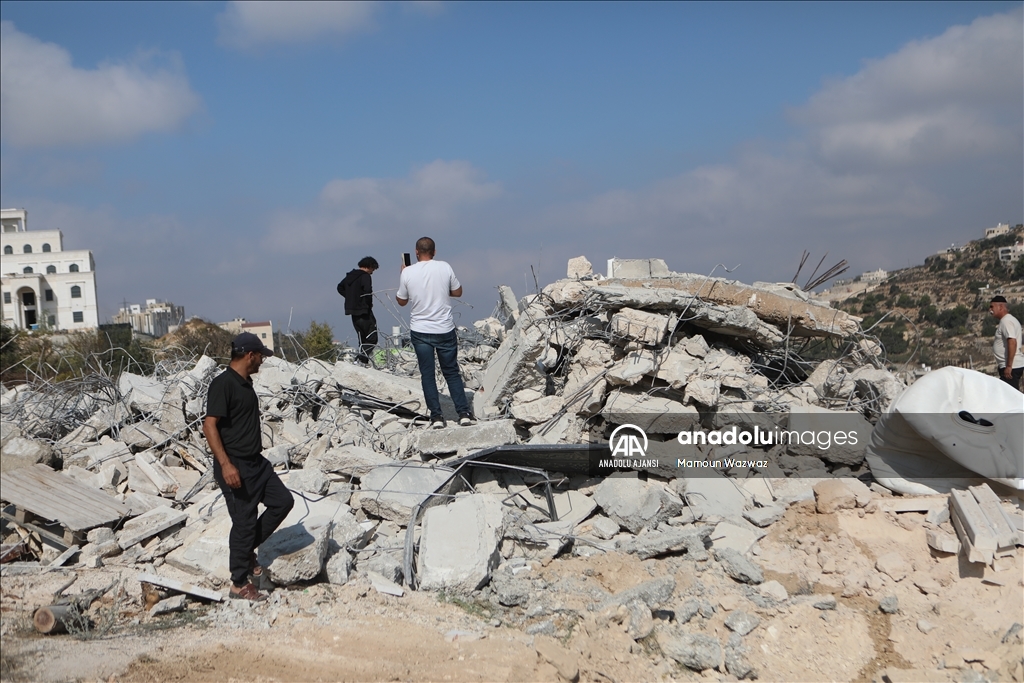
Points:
x=425 y=245
x=368 y=262
x=998 y=299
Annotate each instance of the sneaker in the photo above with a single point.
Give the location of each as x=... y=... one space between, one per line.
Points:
x=465 y=420
x=438 y=423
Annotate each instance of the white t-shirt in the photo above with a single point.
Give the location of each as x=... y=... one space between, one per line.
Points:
x=428 y=285
x=1008 y=328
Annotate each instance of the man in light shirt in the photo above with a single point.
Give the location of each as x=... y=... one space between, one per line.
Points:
x=1009 y=359
x=429 y=285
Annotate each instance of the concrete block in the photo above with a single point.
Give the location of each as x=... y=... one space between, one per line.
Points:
x=338 y=568
x=455 y=438
x=635 y=504
x=943 y=542
x=148 y=524
x=94 y=456
x=637 y=269
x=641 y=326
x=139 y=502
x=459 y=544
x=100 y=534
x=656 y=543
x=392 y=492
x=296 y=553
x=579 y=267
x=138 y=482
x=653 y=593
x=774 y=590
x=712 y=495
x=101 y=549
x=874 y=383
x=18 y=451
x=308 y=480
x=537 y=411
x=384 y=586
x=514 y=365
x=603 y=527
x=974 y=521
x=739 y=538
x=175 y=603
x=653 y=414
x=149 y=464
x=738 y=567
x=143 y=435
x=742 y=622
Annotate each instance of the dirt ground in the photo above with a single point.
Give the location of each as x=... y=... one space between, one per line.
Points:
x=321 y=632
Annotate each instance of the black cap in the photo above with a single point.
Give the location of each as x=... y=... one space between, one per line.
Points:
x=998 y=299
x=246 y=342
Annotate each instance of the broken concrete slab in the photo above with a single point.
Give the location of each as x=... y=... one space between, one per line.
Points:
x=148 y=524
x=653 y=414
x=656 y=543
x=764 y=516
x=849 y=434
x=296 y=553
x=631 y=369
x=704 y=391
x=680 y=366
x=537 y=411
x=739 y=538
x=579 y=267
x=94 y=456
x=693 y=650
x=308 y=480
x=392 y=492
x=175 y=603
x=712 y=495
x=637 y=268
x=144 y=394
x=653 y=593
x=942 y=542
x=390 y=388
x=452 y=439
x=739 y=567
x=384 y=585
x=514 y=365
x=143 y=436
x=459 y=544
x=174 y=584
x=149 y=464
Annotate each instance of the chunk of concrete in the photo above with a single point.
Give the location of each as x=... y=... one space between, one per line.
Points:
x=712 y=495
x=942 y=542
x=893 y=565
x=641 y=326
x=877 y=384
x=149 y=464
x=690 y=539
x=774 y=590
x=308 y=480
x=631 y=369
x=635 y=504
x=384 y=586
x=94 y=456
x=693 y=650
x=144 y=394
x=738 y=567
x=579 y=267
x=175 y=603
x=389 y=388
x=18 y=452
x=604 y=528
x=764 y=516
x=729 y=535
x=704 y=391
x=653 y=593
x=296 y=553
x=637 y=268
x=742 y=622
x=459 y=544
x=514 y=365
x=338 y=569
x=680 y=365
x=537 y=411
x=478 y=436
x=653 y=414
x=392 y=492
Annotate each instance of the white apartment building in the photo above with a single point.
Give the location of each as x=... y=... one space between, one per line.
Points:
x=874 y=276
x=156 y=319
x=1000 y=229
x=42 y=285
x=1011 y=253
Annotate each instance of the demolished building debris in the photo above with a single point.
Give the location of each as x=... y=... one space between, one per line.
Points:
x=477 y=512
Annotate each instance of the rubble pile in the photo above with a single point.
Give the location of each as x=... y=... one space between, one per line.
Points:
x=382 y=499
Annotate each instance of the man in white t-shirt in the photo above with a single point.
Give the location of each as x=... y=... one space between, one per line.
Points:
x=1006 y=347
x=429 y=285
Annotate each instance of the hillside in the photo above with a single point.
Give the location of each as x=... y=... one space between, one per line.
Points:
x=937 y=313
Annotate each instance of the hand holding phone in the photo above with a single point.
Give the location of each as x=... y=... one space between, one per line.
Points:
x=406 y=260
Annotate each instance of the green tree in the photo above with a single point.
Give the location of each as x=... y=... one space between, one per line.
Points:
x=953 y=318
x=1018 y=269
x=928 y=312
x=10 y=352
x=318 y=341
x=905 y=301
x=924 y=300
x=892 y=340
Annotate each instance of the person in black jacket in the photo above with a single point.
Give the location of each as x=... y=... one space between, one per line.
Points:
x=357 y=288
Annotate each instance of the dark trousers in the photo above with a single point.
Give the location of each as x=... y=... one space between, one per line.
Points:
x=260 y=484
x=446 y=346
x=366 y=331
x=1015 y=376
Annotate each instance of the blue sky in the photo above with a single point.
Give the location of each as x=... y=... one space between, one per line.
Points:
x=239 y=158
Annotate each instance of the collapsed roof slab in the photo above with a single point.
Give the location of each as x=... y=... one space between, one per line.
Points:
x=785 y=312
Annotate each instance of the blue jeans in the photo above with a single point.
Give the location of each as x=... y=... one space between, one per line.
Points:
x=447 y=347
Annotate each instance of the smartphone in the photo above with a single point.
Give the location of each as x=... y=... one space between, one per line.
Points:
x=407 y=259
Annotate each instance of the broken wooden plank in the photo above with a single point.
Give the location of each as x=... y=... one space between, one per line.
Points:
x=62 y=558
x=973 y=519
x=149 y=524
x=973 y=554
x=197 y=591
x=1006 y=535
x=49 y=495
x=48 y=535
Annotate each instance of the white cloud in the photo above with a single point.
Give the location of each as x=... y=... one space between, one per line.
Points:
x=357 y=211
x=958 y=94
x=45 y=101
x=247 y=25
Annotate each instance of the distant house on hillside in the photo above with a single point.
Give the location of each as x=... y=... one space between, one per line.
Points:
x=874 y=275
x=1011 y=253
x=1000 y=229
x=264 y=330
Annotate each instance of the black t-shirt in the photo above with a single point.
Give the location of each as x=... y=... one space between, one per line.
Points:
x=234 y=401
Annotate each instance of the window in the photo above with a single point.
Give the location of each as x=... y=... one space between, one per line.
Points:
x=48 y=295
x=7 y=297
x=8 y=250
x=27 y=270
x=73 y=268
x=78 y=317
x=46 y=247
x=263 y=334
x=27 y=249
x=50 y=270
x=76 y=292
x=51 y=321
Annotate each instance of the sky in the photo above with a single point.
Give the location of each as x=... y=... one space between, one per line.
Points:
x=239 y=158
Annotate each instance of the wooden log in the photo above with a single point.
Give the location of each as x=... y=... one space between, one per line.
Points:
x=53 y=618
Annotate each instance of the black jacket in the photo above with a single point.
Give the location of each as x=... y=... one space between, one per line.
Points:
x=357 y=288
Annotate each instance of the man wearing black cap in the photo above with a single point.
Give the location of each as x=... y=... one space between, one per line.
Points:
x=357 y=288
x=1009 y=359
x=232 y=428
